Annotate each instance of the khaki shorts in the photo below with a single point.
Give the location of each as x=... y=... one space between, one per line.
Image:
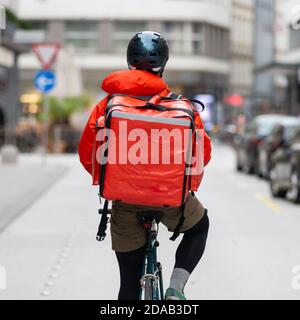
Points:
x=126 y=232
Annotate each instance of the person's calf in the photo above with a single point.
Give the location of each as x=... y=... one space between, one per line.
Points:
x=188 y=255
x=130 y=265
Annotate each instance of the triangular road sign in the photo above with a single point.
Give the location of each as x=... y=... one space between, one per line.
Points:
x=46 y=53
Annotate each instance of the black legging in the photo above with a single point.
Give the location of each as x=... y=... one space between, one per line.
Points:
x=188 y=254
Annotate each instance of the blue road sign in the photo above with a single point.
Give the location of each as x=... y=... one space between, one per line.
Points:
x=45 y=81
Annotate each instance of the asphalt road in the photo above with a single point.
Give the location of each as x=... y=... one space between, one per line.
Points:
x=50 y=251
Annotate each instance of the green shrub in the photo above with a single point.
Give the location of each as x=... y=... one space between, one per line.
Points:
x=60 y=110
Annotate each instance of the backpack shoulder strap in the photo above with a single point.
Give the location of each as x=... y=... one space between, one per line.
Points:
x=174 y=96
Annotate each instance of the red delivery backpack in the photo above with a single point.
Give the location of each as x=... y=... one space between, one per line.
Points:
x=145 y=151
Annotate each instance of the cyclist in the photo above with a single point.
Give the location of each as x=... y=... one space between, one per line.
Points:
x=147 y=55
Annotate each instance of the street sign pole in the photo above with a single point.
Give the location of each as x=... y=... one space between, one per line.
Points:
x=2 y=20
x=46 y=128
x=45 y=81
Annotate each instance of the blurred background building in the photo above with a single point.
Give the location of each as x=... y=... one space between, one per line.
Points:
x=277 y=57
x=199 y=40
x=242 y=46
x=240 y=57
x=9 y=77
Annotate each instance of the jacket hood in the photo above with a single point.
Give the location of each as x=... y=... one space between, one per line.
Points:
x=133 y=82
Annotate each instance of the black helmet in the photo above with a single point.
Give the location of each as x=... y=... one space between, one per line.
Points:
x=149 y=51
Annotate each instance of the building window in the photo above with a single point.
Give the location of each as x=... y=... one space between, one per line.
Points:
x=123 y=32
x=197 y=38
x=174 y=34
x=82 y=35
x=38 y=25
x=217 y=42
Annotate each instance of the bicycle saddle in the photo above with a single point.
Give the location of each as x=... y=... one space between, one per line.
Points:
x=148 y=216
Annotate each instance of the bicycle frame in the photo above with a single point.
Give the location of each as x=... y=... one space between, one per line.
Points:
x=151 y=280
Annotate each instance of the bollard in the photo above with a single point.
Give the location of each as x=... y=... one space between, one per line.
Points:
x=9 y=154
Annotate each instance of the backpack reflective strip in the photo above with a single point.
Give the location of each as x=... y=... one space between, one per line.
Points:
x=131 y=116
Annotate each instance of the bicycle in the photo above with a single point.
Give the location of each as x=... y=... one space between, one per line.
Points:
x=151 y=281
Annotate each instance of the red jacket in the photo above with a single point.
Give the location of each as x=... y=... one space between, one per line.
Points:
x=131 y=82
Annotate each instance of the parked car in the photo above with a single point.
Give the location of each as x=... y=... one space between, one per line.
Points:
x=285 y=169
x=247 y=144
x=281 y=133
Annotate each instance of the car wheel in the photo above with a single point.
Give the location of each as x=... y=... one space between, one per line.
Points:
x=239 y=167
x=266 y=176
x=275 y=190
x=258 y=171
x=294 y=192
x=249 y=169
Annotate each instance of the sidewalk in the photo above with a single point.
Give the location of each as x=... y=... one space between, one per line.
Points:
x=22 y=184
x=50 y=250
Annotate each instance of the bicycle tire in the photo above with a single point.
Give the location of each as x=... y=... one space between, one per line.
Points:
x=148 y=289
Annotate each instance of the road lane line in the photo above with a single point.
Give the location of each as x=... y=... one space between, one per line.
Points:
x=268 y=202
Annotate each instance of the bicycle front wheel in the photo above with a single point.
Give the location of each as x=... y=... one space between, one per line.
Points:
x=148 y=289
